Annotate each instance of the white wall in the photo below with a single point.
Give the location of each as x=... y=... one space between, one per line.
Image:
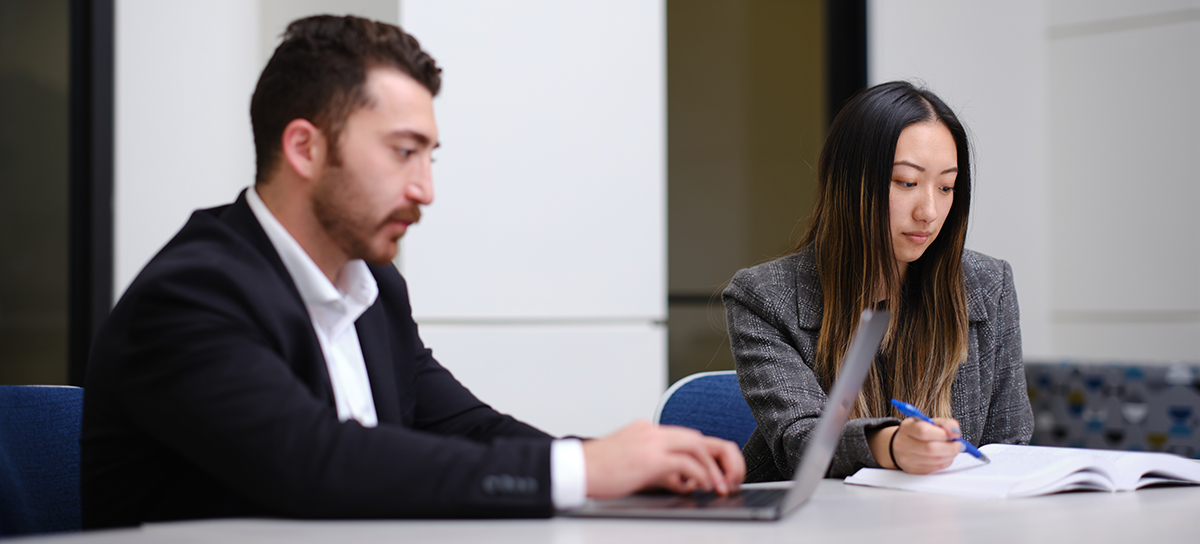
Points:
x=1124 y=86
x=274 y=16
x=550 y=180
x=1084 y=116
x=543 y=258
x=184 y=73
x=538 y=276
x=986 y=60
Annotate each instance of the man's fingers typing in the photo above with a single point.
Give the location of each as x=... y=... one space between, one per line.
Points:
x=733 y=465
x=643 y=455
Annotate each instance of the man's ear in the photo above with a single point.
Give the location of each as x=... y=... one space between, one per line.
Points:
x=304 y=148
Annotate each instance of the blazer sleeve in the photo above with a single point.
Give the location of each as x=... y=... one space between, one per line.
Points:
x=1009 y=414
x=778 y=381
x=202 y=373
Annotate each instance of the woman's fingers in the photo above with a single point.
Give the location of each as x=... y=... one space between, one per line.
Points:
x=921 y=448
x=950 y=425
x=920 y=430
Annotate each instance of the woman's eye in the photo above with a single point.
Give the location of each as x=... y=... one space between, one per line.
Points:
x=948 y=190
x=405 y=153
x=905 y=184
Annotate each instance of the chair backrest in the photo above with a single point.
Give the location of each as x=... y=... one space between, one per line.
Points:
x=39 y=458
x=710 y=402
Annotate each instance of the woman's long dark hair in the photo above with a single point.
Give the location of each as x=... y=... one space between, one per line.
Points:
x=850 y=235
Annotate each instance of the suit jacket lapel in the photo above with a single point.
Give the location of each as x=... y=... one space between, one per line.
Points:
x=373 y=335
x=241 y=218
x=312 y=370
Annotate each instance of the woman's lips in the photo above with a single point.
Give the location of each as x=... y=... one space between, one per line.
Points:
x=919 y=237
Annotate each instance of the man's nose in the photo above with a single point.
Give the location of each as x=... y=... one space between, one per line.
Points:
x=420 y=189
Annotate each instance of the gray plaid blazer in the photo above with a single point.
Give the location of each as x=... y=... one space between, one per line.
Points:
x=774 y=315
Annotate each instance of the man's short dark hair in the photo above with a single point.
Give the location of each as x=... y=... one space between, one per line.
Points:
x=318 y=73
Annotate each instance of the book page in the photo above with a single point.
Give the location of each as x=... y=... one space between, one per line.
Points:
x=1015 y=471
x=1139 y=469
x=962 y=462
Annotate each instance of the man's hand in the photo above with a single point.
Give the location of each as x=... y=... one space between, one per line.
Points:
x=643 y=455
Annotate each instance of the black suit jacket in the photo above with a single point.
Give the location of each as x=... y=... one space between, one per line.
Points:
x=207 y=395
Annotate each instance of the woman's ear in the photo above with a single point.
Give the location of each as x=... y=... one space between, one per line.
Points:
x=304 y=148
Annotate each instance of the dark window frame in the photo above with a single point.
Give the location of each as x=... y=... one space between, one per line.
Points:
x=91 y=179
x=846 y=52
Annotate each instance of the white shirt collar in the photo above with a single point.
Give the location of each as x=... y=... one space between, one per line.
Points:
x=333 y=308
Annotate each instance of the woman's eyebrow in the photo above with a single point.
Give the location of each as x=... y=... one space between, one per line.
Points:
x=951 y=170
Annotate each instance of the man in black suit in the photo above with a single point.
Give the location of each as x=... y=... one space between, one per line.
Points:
x=265 y=362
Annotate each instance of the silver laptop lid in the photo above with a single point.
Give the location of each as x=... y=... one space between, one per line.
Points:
x=813 y=464
x=819 y=453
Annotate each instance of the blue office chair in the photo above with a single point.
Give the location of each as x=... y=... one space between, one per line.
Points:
x=710 y=402
x=39 y=458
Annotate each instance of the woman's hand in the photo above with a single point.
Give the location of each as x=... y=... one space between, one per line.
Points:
x=918 y=447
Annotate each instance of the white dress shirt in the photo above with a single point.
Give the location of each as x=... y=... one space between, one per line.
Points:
x=334 y=309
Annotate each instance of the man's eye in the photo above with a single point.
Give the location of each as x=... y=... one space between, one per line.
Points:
x=405 y=153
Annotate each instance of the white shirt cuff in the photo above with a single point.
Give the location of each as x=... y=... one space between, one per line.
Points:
x=568 y=474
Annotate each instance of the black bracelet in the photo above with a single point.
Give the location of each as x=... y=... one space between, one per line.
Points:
x=891 y=449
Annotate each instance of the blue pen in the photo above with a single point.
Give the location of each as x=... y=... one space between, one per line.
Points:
x=912 y=411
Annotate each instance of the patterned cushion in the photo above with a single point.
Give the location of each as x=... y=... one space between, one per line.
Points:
x=1146 y=407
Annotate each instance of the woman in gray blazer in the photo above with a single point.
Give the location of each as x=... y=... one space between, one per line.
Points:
x=887 y=231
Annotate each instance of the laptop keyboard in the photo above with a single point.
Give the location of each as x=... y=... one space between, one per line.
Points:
x=749 y=498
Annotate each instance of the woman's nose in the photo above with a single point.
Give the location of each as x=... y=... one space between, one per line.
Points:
x=926 y=207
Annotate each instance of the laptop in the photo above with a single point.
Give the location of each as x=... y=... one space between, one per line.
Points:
x=767 y=503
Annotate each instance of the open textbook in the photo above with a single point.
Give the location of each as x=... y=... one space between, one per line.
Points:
x=1027 y=471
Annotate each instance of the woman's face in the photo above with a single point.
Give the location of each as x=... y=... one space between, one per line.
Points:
x=922 y=188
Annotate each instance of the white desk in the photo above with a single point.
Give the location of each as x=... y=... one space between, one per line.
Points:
x=836 y=513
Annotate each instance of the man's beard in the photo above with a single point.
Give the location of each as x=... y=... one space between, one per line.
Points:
x=341 y=211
